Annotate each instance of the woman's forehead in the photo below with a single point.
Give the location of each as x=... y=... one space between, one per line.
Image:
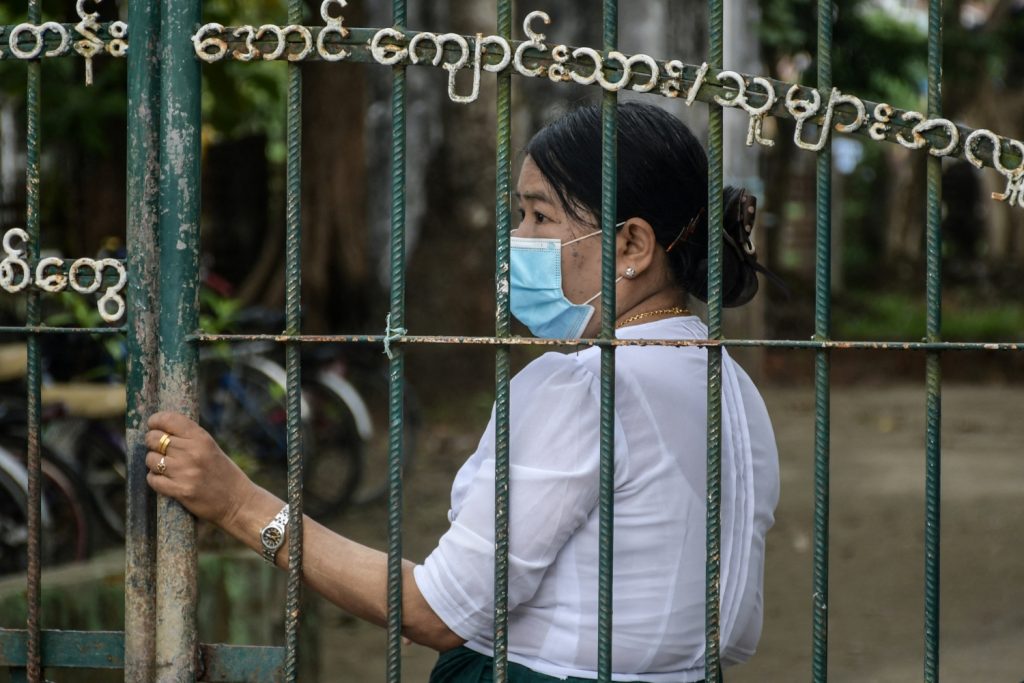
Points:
x=532 y=184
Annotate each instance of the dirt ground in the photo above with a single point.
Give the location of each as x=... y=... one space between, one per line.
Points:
x=876 y=558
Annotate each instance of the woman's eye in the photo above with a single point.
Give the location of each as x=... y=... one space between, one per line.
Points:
x=522 y=215
x=539 y=217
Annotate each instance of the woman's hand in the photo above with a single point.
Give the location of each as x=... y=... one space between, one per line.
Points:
x=198 y=474
x=195 y=471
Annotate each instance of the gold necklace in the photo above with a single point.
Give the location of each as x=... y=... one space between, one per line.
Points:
x=675 y=310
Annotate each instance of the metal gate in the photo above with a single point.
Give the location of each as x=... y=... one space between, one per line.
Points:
x=169 y=44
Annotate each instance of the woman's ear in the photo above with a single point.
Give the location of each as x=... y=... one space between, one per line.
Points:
x=636 y=245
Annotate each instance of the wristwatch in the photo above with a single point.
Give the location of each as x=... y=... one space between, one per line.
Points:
x=272 y=535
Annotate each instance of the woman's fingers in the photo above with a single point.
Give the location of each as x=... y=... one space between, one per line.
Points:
x=153 y=461
x=154 y=437
x=196 y=471
x=174 y=424
x=165 y=486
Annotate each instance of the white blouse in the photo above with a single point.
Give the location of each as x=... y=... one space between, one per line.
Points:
x=659 y=527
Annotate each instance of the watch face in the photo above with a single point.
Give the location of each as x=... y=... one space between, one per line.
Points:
x=272 y=537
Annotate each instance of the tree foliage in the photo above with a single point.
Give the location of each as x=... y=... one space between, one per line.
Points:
x=875 y=55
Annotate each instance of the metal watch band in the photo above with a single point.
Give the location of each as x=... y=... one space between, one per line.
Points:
x=280 y=524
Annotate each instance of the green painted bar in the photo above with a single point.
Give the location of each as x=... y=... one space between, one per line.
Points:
x=933 y=407
x=822 y=331
x=609 y=213
x=396 y=366
x=106 y=650
x=141 y=326
x=293 y=363
x=66 y=649
x=502 y=359
x=33 y=377
x=180 y=116
x=712 y=664
x=253 y=664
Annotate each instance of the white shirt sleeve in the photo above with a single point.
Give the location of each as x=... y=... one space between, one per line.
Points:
x=554 y=462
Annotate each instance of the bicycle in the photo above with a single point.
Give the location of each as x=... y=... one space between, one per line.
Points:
x=345 y=428
x=345 y=434
x=243 y=404
x=66 y=534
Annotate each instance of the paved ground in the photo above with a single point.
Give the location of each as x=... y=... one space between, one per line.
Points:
x=876 y=552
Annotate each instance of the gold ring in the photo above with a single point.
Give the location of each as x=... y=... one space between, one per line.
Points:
x=161 y=467
x=165 y=441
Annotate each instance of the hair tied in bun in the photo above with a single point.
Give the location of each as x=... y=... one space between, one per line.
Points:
x=742 y=243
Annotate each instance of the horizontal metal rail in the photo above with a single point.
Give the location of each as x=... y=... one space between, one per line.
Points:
x=534 y=341
x=357 y=43
x=105 y=650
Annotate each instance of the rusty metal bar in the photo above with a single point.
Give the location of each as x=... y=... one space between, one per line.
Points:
x=33 y=593
x=293 y=363
x=143 y=279
x=834 y=344
x=40 y=329
x=176 y=568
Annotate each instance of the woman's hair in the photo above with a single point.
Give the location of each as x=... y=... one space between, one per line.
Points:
x=662 y=178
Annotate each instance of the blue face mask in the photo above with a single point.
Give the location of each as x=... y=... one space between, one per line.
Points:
x=537 y=299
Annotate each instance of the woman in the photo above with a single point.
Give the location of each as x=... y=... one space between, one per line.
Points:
x=660 y=437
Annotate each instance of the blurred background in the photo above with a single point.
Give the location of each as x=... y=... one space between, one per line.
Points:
x=877 y=275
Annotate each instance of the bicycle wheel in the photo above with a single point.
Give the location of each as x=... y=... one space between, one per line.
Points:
x=100 y=462
x=369 y=406
x=69 y=533
x=333 y=460
x=243 y=405
x=13 y=515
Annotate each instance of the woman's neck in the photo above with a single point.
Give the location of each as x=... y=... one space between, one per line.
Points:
x=668 y=300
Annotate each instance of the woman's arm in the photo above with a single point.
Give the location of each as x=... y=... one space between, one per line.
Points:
x=208 y=483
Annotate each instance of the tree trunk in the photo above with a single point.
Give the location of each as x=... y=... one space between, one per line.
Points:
x=337 y=284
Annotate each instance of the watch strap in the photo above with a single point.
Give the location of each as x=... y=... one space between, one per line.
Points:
x=280 y=522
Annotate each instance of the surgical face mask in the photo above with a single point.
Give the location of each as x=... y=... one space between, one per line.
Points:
x=537 y=299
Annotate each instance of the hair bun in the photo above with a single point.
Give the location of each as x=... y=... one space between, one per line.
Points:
x=739 y=263
x=739 y=256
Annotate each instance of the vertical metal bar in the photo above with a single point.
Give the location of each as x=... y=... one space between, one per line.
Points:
x=933 y=409
x=143 y=217
x=293 y=363
x=822 y=331
x=180 y=100
x=712 y=606
x=33 y=377
x=609 y=213
x=502 y=362
x=396 y=366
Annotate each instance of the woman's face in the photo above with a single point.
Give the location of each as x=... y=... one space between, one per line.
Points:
x=542 y=215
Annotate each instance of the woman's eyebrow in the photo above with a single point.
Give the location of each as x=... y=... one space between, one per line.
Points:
x=533 y=196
